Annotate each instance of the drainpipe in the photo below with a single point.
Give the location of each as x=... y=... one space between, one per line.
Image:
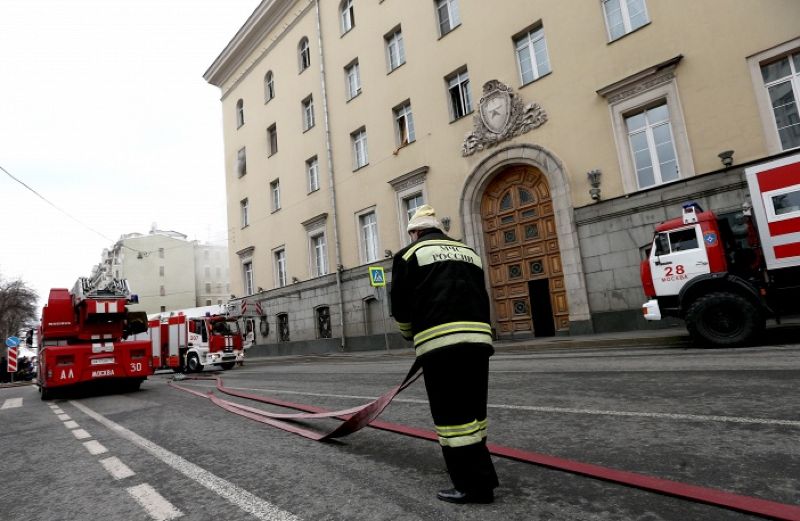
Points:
x=329 y=151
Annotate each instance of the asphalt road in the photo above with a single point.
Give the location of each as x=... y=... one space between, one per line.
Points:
x=726 y=419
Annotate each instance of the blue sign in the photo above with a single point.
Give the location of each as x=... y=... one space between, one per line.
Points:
x=710 y=238
x=377 y=277
x=13 y=341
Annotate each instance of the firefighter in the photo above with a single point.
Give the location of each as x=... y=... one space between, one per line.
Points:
x=439 y=301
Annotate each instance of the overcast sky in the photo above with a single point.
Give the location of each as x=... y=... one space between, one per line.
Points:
x=105 y=113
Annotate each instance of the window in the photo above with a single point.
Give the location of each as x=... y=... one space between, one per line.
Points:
x=208 y=302
x=782 y=83
x=308 y=113
x=404 y=124
x=411 y=204
x=785 y=203
x=312 y=170
x=624 y=16
x=347 y=15
x=679 y=240
x=207 y=271
x=283 y=327
x=239 y=113
x=247 y=277
x=359 y=140
x=161 y=253
x=280 y=268
x=319 y=255
x=241 y=162
x=244 y=206
x=162 y=291
x=303 y=54
x=161 y=271
x=395 y=52
x=272 y=139
x=449 y=18
x=275 y=194
x=353 y=79
x=649 y=129
x=269 y=86
x=368 y=224
x=460 y=97
x=208 y=287
x=323 y=322
x=652 y=147
x=532 y=55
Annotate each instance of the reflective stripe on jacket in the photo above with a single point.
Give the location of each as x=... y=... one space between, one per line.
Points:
x=438 y=294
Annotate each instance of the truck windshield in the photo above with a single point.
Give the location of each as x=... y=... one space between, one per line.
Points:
x=224 y=328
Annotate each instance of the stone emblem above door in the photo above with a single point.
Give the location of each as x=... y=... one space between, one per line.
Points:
x=501 y=116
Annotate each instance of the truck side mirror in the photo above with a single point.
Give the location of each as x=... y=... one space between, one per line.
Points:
x=136 y=323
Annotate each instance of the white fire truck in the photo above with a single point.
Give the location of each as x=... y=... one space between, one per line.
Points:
x=726 y=274
x=193 y=339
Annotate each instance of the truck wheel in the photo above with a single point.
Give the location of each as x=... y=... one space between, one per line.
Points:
x=46 y=394
x=193 y=364
x=228 y=365
x=723 y=319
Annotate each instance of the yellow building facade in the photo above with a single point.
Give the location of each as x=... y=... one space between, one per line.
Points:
x=551 y=136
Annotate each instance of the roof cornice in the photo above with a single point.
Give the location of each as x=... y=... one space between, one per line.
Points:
x=263 y=20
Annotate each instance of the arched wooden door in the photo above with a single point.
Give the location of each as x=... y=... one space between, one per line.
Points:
x=525 y=273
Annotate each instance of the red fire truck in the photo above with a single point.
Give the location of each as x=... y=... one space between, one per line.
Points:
x=726 y=274
x=80 y=338
x=192 y=339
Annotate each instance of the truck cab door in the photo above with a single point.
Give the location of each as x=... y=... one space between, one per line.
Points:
x=677 y=256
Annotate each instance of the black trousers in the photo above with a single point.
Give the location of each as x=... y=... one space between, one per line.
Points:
x=457 y=383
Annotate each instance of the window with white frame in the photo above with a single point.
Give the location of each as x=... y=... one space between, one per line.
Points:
x=652 y=146
x=280 y=267
x=624 y=16
x=532 y=58
x=269 y=86
x=352 y=77
x=272 y=139
x=241 y=162
x=308 y=113
x=368 y=233
x=404 y=124
x=303 y=54
x=649 y=129
x=395 y=51
x=247 y=277
x=312 y=172
x=347 y=15
x=239 y=113
x=782 y=83
x=275 y=194
x=411 y=204
x=359 y=141
x=319 y=255
x=448 y=15
x=244 y=207
x=459 y=94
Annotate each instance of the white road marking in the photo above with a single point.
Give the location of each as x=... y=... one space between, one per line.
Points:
x=71 y=424
x=81 y=434
x=560 y=410
x=94 y=447
x=64 y=417
x=12 y=403
x=116 y=468
x=239 y=497
x=159 y=508
x=58 y=410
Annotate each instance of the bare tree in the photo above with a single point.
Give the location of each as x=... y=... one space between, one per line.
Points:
x=17 y=307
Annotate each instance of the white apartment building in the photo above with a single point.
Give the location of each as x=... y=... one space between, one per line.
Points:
x=167 y=271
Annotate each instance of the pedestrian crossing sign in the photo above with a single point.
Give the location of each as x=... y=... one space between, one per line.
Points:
x=377 y=277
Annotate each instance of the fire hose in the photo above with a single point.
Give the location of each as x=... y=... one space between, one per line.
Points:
x=356 y=418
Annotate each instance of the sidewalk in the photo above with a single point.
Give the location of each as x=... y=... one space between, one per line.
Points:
x=660 y=337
